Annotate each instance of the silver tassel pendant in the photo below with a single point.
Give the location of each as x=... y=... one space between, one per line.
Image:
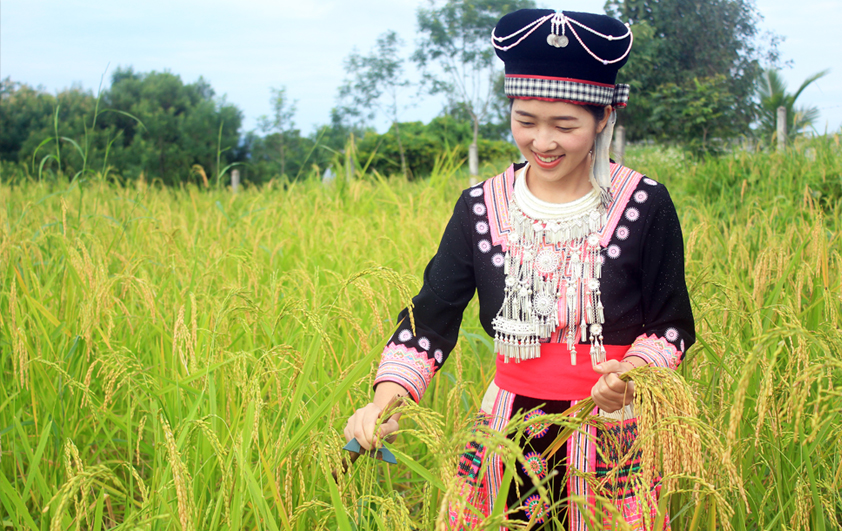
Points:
x=549 y=267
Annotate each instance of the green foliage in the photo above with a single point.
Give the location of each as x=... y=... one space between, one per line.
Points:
x=680 y=41
x=180 y=125
x=697 y=115
x=58 y=130
x=151 y=123
x=772 y=92
x=423 y=144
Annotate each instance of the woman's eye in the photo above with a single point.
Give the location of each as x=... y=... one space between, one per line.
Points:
x=565 y=129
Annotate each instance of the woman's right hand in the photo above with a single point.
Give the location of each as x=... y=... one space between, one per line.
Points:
x=362 y=423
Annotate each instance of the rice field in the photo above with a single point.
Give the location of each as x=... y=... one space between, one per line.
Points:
x=185 y=359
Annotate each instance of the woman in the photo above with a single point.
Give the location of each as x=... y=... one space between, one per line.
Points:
x=578 y=264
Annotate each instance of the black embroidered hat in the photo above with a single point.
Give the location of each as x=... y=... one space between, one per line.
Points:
x=563 y=56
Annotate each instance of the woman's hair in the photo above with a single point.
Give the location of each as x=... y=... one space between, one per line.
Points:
x=597 y=111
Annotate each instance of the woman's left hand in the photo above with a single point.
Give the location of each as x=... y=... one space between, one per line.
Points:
x=610 y=393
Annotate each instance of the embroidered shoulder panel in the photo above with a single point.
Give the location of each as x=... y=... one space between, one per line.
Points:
x=407 y=367
x=623 y=183
x=498 y=192
x=656 y=350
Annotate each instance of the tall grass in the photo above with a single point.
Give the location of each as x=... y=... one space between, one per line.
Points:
x=186 y=358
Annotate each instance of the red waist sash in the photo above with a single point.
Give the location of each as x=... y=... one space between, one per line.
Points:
x=551 y=377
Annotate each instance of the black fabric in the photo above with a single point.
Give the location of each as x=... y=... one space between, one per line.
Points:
x=535 y=57
x=643 y=288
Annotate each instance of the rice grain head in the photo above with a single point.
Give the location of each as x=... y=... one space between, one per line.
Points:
x=181 y=478
x=13 y=303
x=219 y=451
x=667 y=425
x=764 y=400
x=73 y=467
x=256 y=397
x=20 y=358
x=140 y=427
x=64 y=217
x=194 y=331
x=180 y=338
x=803 y=505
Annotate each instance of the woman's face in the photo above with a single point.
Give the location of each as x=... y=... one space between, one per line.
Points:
x=556 y=138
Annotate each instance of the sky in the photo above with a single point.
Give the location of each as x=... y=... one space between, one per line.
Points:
x=244 y=48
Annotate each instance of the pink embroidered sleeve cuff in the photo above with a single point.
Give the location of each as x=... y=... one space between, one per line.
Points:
x=655 y=350
x=407 y=367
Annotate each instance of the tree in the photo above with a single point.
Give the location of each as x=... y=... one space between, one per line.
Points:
x=145 y=122
x=374 y=83
x=682 y=42
x=697 y=114
x=182 y=125
x=455 y=37
x=61 y=132
x=281 y=123
x=23 y=110
x=772 y=93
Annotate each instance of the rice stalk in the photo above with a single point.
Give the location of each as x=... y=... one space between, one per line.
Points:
x=181 y=478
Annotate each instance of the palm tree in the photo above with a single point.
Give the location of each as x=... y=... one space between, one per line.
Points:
x=773 y=94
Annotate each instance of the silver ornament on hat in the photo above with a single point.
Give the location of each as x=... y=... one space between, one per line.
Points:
x=559 y=24
x=559 y=41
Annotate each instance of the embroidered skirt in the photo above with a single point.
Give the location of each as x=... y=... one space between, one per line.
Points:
x=591 y=453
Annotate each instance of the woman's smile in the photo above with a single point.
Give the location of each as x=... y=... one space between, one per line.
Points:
x=547 y=161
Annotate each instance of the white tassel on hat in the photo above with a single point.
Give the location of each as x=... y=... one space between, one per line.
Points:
x=600 y=175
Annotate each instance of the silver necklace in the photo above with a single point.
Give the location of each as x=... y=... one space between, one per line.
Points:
x=552 y=267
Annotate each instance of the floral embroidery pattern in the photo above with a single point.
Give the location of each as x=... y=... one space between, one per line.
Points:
x=439 y=356
x=655 y=350
x=407 y=367
x=498 y=260
x=632 y=214
x=613 y=251
x=622 y=232
x=484 y=246
x=405 y=335
x=482 y=227
x=535 y=508
x=476 y=192
x=671 y=334
x=424 y=343
x=536 y=429
x=479 y=209
x=650 y=182
x=641 y=196
x=535 y=463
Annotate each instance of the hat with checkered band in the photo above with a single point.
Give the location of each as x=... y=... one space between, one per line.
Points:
x=563 y=56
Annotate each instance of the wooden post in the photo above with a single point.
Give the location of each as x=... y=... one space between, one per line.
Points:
x=473 y=160
x=619 y=147
x=235 y=180
x=781 y=128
